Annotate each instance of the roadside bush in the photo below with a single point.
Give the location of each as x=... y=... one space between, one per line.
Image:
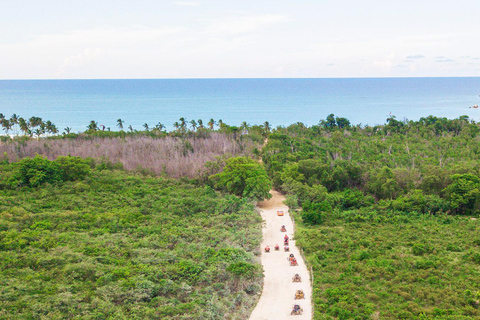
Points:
x=312 y=212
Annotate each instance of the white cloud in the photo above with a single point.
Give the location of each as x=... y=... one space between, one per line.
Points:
x=387 y=63
x=186 y=3
x=417 y=56
x=233 y=46
x=241 y=25
x=79 y=60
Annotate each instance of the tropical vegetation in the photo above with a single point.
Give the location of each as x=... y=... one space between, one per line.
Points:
x=387 y=215
x=83 y=238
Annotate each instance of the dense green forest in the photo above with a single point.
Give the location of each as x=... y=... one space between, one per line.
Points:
x=389 y=214
x=387 y=217
x=85 y=239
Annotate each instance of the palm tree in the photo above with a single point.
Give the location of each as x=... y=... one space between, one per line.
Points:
x=211 y=123
x=48 y=126
x=34 y=122
x=51 y=127
x=54 y=129
x=43 y=128
x=176 y=125
x=200 y=123
x=67 y=129
x=183 y=124
x=37 y=132
x=145 y=125
x=92 y=126
x=244 y=127
x=120 y=124
x=23 y=125
x=7 y=125
x=159 y=126
x=266 y=126
x=130 y=128
x=194 y=125
x=14 y=122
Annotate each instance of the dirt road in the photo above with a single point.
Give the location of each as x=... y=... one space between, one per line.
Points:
x=278 y=296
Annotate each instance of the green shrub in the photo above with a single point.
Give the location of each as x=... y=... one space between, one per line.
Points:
x=476 y=257
x=33 y=172
x=354 y=198
x=454 y=248
x=420 y=249
x=73 y=168
x=243 y=269
x=312 y=211
x=291 y=201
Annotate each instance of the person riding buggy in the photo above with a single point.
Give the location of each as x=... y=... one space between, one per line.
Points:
x=293 y=262
x=296 y=310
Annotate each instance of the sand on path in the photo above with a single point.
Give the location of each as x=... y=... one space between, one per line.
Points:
x=278 y=295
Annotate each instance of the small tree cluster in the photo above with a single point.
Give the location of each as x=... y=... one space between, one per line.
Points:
x=33 y=172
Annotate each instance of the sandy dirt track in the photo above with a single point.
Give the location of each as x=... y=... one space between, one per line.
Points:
x=278 y=296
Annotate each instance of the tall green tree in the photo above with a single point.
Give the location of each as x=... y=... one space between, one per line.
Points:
x=244 y=177
x=464 y=193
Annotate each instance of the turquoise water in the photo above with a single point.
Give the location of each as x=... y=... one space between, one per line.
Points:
x=74 y=103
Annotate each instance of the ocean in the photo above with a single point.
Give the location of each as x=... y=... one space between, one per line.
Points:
x=74 y=103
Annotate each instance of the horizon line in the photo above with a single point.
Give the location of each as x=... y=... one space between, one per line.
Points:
x=233 y=78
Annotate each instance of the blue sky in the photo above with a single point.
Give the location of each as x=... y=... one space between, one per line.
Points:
x=52 y=39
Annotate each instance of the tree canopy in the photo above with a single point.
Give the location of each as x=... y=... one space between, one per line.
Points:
x=244 y=177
